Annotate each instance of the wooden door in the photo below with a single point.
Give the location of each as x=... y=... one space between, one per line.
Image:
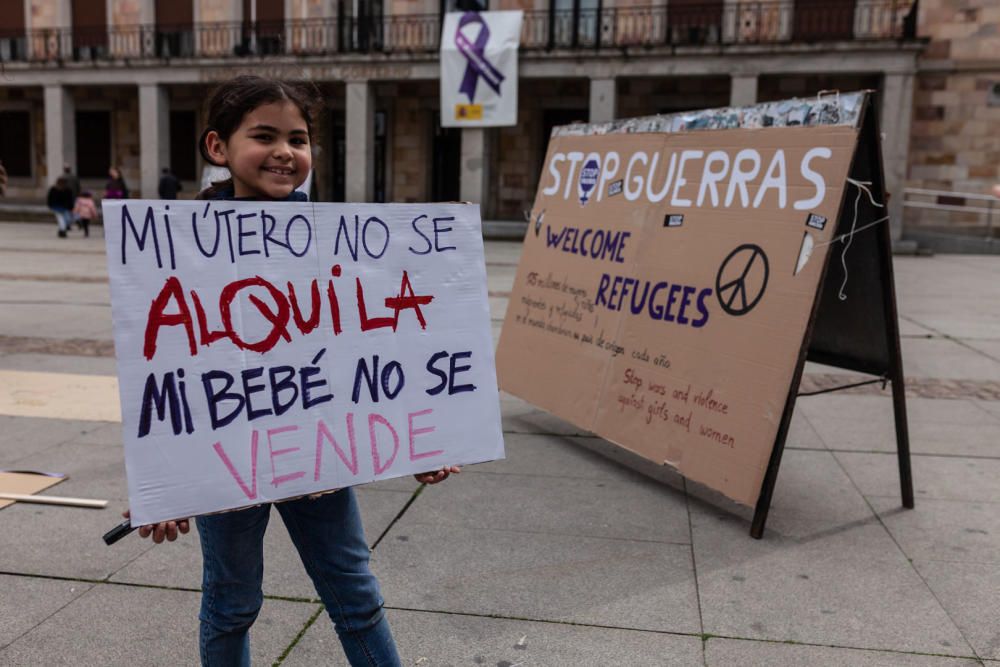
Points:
x=174 y=15
x=15 y=142
x=93 y=144
x=13 y=38
x=695 y=21
x=12 y=20
x=270 y=28
x=174 y=28
x=270 y=16
x=823 y=20
x=90 y=24
x=183 y=144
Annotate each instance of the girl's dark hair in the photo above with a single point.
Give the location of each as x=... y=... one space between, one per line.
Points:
x=235 y=98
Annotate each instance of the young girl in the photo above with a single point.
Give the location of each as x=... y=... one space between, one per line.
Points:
x=85 y=211
x=260 y=130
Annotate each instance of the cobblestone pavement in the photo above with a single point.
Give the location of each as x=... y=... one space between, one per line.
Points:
x=80 y=347
x=918 y=387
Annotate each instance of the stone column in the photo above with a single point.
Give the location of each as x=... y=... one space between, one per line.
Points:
x=743 y=90
x=154 y=137
x=359 y=128
x=60 y=132
x=603 y=100
x=475 y=166
x=895 y=114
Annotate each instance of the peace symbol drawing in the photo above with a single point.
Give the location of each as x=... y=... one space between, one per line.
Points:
x=742 y=279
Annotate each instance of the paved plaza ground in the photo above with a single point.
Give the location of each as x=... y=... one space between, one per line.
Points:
x=570 y=551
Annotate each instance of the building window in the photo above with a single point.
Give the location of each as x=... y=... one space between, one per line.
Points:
x=90 y=29
x=263 y=26
x=368 y=16
x=174 y=28
x=13 y=42
x=818 y=20
x=696 y=21
x=93 y=144
x=183 y=145
x=574 y=22
x=15 y=142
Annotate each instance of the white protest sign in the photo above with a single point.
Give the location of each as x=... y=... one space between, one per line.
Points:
x=268 y=350
x=479 y=68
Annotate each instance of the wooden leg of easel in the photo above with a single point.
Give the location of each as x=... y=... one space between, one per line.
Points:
x=760 y=516
x=896 y=369
x=902 y=439
x=771 y=474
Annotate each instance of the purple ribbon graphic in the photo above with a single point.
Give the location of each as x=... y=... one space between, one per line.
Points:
x=478 y=66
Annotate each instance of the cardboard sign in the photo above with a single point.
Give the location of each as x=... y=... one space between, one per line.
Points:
x=271 y=350
x=479 y=68
x=668 y=278
x=24 y=482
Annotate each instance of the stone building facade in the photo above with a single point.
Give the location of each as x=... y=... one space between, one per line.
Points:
x=96 y=83
x=956 y=111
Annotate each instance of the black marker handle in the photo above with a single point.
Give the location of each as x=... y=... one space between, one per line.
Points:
x=118 y=532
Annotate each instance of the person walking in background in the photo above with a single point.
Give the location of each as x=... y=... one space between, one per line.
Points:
x=85 y=211
x=71 y=180
x=60 y=201
x=115 y=188
x=169 y=185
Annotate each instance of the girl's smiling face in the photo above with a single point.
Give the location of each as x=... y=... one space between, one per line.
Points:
x=268 y=154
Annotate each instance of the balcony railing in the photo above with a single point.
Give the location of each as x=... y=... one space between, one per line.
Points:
x=956 y=214
x=714 y=23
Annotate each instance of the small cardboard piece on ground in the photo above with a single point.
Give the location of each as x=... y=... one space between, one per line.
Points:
x=21 y=482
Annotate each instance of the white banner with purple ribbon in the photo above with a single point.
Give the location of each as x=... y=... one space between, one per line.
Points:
x=479 y=69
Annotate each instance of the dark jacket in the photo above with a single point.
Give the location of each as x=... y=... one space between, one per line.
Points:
x=60 y=198
x=73 y=183
x=169 y=186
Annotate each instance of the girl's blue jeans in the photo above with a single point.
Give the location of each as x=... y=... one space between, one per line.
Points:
x=330 y=540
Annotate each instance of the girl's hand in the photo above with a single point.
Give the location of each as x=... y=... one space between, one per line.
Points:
x=437 y=475
x=164 y=530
